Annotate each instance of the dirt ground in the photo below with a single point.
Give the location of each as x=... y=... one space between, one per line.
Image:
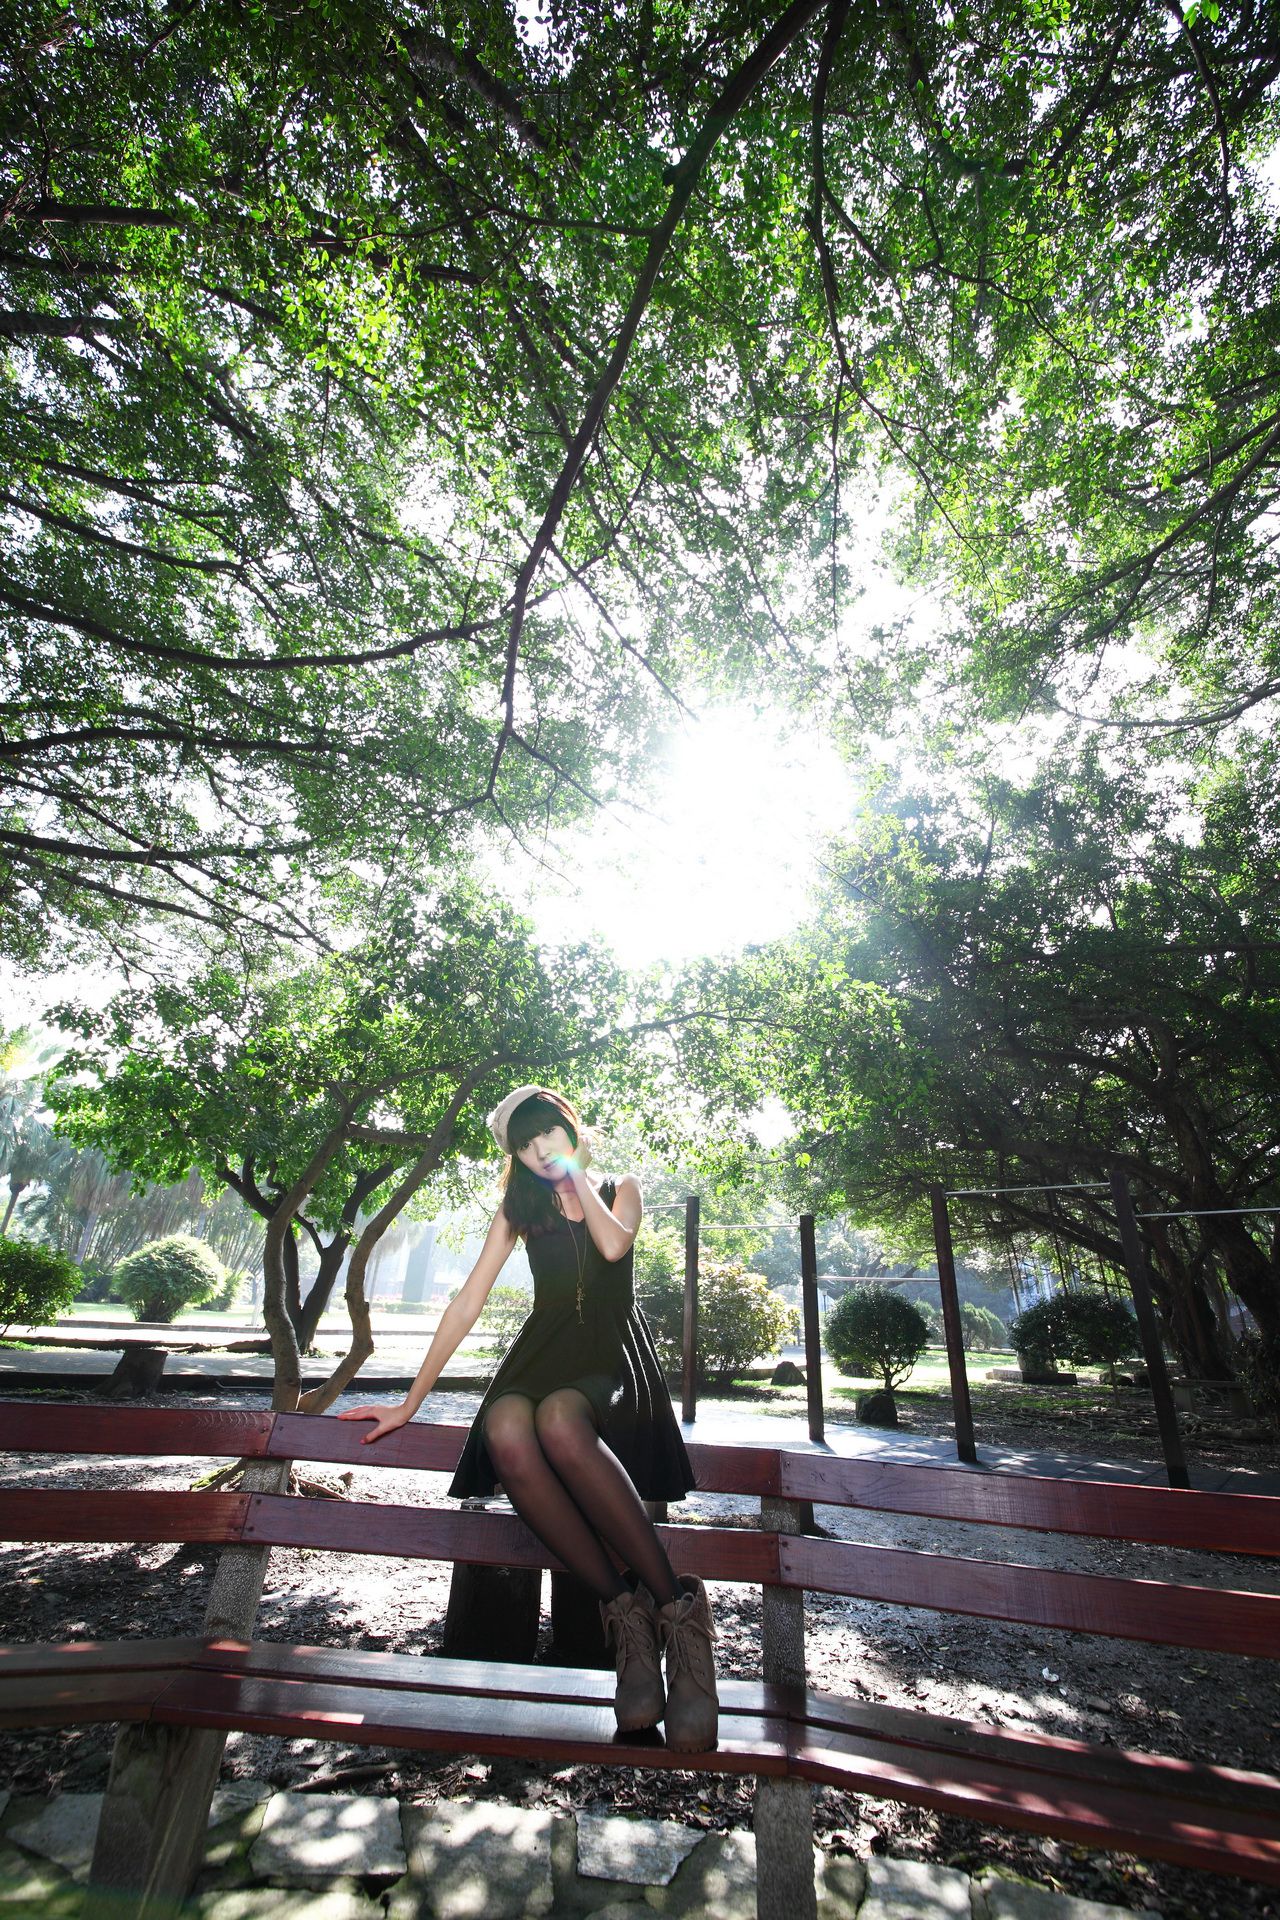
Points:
x=1207 y=1707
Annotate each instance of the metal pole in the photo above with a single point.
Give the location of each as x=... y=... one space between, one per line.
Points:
x=962 y=1413
x=1135 y=1261
x=812 y=1330
x=689 y=1328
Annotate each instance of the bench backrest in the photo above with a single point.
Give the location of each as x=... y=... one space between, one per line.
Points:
x=1210 y=1618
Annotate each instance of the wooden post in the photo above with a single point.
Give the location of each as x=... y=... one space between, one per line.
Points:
x=812 y=1330
x=1135 y=1261
x=783 y=1809
x=689 y=1329
x=154 y=1823
x=961 y=1410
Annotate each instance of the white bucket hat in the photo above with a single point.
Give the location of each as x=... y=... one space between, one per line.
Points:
x=500 y=1119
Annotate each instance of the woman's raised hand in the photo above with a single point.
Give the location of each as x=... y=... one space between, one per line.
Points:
x=388 y=1419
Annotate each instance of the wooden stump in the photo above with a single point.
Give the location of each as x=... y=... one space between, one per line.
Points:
x=493 y=1613
x=577 y=1631
x=137 y=1373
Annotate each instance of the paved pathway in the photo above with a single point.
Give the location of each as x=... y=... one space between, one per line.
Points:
x=717 y=1422
x=331 y=1856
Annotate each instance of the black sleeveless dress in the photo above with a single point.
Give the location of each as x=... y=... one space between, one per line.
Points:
x=606 y=1351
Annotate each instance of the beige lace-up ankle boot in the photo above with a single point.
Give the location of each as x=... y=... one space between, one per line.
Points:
x=692 y=1703
x=631 y=1625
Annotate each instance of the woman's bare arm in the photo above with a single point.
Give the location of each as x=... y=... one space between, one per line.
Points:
x=614 y=1232
x=455 y=1324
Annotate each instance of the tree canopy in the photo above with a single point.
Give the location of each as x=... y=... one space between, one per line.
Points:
x=328 y=1096
x=1029 y=987
x=403 y=407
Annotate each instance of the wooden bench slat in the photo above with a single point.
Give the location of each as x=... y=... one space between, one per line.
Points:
x=76 y=1698
x=1151 y=1824
x=1224 y=1522
x=1216 y=1619
x=1170 y=1819
x=425 y=1446
x=468 y=1724
x=1126 y=1768
x=64 y=1514
x=481 y=1539
x=19 y=1661
x=1156 y=1516
x=359 y=1667
x=199 y=1433
x=434 y=1673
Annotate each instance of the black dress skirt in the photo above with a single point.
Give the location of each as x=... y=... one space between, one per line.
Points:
x=586 y=1331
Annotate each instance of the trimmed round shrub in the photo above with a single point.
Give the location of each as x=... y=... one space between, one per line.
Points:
x=874 y=1334
x=740 y=1318
x=981 y=1329
x=235 y=1286
x=1087 y=1329
x=36 y=1283
x=159 y=1280
x=502 y=1316
x=932 y=1317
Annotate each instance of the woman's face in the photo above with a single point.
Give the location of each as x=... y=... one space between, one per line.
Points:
x=547 y=1153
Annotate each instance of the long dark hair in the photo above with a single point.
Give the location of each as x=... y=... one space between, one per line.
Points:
x=529 y=1203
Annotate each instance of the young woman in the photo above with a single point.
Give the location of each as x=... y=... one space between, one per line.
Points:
x=577 y=1424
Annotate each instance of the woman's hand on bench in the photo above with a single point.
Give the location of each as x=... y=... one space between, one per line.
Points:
x=388 y=1419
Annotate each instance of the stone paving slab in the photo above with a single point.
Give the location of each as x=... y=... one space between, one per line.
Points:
x=718 y=1880
x=915 y=1890
x=645 y=1853
x=312 y=1837
x=996 y=1897
x=476 y=1860
x=29 y=1887
x=236 y=1798
x=842 y=1884
x=63 y=1831
x=278 y=1903
x=488 y=1860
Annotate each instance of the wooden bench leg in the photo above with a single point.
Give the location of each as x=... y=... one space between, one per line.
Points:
x=783 y=1816
x=155 y=1811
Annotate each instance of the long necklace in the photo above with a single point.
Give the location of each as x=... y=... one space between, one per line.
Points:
x=580 y=1255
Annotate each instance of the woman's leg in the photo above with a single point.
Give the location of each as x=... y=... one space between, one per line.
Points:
x=565 y=1427
x=540 y=1498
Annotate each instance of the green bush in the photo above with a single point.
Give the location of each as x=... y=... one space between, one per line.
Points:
x=740 y=1318
x=1087 y=1329
x=502 y=1316
x=661 y=1296
x=235 y=1285
x=932 y=1317
x=981 y=1329
x=36 y=1283
x=159 y=1280
x=875 y=1334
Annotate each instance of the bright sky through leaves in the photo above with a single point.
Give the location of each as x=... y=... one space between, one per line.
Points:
x=724 y=859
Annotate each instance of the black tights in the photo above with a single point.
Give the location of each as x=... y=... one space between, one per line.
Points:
x=573 y=1492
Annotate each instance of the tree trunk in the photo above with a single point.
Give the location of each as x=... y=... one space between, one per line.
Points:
x=16 y=1188
x=321 y=1290
x=293 y=1285
x=91 y=1222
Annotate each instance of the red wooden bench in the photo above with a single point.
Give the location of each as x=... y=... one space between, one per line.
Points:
x=777 y=1728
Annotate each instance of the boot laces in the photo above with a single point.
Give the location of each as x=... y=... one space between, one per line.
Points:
x=631 y=1633
x=678 y=1635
